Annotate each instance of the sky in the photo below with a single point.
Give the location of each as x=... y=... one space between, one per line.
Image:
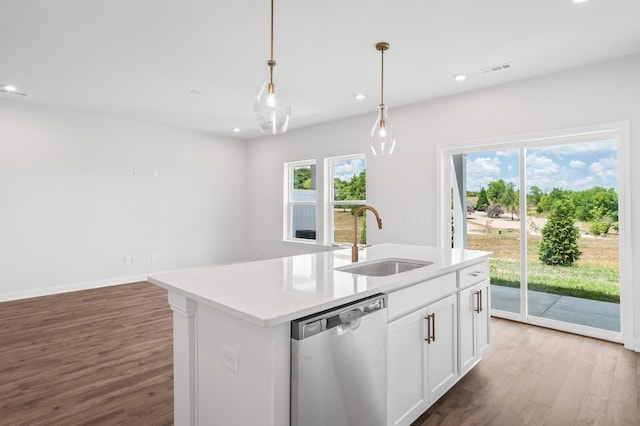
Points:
x=346 y=169
x=576 y=167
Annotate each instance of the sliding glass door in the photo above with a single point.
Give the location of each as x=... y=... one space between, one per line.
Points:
x=572 y=211
x=549 y=210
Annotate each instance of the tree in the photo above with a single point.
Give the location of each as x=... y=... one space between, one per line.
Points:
x=483 y=201
x=355 y=189
x=559 y=235
x=547 y=201
x=510 y=198
x=495 y=190
x=302 y=178
x=534 y=196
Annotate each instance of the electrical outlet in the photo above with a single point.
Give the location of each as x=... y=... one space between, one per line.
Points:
x=127 y=260
x=230 y=359
x=134 y=260
x=154 y=258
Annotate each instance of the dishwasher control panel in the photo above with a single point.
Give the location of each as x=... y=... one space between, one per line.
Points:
x=316 y=323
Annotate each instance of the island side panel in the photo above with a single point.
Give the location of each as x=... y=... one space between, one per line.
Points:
x=243 y=371
x=184 y=359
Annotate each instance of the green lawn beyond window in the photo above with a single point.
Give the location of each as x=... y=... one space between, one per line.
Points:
x=586 y=281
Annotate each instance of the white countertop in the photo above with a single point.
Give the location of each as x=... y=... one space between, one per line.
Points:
x=273 y=291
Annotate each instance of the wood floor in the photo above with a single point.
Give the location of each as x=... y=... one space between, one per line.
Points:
x=104 y=357
x=94 y=357
x=536 y=376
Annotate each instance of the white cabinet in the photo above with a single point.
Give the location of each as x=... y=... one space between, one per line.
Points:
x=442 y=350
x=407 y=368
x=422 y=359
x=474 y=304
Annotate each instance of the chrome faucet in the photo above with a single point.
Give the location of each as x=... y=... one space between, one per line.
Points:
x=354 y=249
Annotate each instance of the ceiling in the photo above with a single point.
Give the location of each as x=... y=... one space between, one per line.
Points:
x=198 y=64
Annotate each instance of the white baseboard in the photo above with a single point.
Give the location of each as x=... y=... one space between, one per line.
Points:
x=46 y=291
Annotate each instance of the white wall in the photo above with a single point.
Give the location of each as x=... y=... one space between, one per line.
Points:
x=402 y=186
x=69 y=214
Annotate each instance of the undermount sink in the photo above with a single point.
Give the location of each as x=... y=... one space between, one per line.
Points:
x=384 y=267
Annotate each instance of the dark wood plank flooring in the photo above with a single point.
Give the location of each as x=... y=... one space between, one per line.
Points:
x=104 y=357
x=537 y=376
x=92 y=357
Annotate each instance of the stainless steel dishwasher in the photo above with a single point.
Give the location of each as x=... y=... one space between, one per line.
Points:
x=339 y=365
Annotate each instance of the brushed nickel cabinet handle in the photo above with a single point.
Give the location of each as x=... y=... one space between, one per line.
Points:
x=428 y=339
x=477 y=308
x=480 y=300
x=433 y=327
x=476 y=273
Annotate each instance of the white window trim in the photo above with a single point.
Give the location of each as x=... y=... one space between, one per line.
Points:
x=620 y=131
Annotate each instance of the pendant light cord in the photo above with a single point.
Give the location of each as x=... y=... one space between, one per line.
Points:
x=382 y=79
x=271 y=30
x=271 y=61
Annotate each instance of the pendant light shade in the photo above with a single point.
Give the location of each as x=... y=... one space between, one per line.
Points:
x=383 y=137
x=270 y=106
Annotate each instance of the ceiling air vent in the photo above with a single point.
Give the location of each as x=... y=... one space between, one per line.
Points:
x=495 y=68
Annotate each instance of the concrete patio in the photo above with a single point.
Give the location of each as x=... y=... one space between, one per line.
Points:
x=592 y=313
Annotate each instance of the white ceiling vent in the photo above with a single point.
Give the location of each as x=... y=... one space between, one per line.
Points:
x=495 y=68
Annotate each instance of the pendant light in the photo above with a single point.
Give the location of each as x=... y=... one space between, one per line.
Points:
x=383 y=137
x=270 y=107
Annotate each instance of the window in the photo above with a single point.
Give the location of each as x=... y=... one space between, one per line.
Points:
x=343 y=183
x=347 y=192
x=300 y=201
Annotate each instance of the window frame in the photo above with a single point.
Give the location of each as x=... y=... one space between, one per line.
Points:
x=289 y=203
x=329 y=199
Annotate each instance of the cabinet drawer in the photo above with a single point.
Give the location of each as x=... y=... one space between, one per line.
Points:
x=411 y=298
x=473 y=274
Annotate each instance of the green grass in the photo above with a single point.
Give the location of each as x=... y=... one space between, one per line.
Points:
x=584 y=281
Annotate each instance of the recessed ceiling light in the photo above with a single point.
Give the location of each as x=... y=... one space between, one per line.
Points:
x=358 y=96
x=236 y=130
x=459 y=77
x=579 y=1
x=11 y=89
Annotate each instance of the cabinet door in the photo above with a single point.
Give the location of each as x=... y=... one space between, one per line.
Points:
x=406 y=368
x=483 y=319
x=467 y=300
x=442 y=351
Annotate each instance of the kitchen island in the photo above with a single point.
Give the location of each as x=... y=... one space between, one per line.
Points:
x=232 y=324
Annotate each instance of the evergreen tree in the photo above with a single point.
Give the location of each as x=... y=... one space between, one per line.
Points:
x=559 y=236
x=483 y=201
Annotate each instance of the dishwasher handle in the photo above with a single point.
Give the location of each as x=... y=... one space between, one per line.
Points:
x=346 y=315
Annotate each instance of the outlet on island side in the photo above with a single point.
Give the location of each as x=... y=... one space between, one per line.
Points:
x=230 y=359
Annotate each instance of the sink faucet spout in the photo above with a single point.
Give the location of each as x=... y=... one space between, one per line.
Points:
x=354 y=249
